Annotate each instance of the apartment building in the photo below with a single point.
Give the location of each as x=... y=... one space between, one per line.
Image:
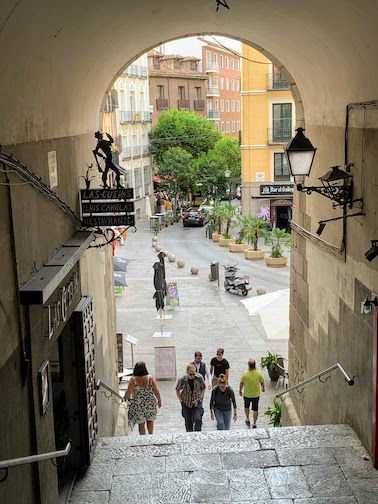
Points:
x=127 y=117
x=175 y=82
x=267 y=124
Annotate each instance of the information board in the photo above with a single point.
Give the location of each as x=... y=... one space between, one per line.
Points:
x=165 y=362
x=173 y=295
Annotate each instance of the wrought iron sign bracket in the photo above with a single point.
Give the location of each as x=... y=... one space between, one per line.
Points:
x=341 y=195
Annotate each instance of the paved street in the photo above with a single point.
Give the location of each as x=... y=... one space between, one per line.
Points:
x=208 y=316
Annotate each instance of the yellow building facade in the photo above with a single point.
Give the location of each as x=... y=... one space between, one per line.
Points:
x=267 y=124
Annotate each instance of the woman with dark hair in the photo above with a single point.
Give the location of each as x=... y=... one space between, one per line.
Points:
x=145 y=399
x=222 y=398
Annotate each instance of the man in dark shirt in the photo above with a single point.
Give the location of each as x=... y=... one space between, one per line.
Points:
x=218 y=366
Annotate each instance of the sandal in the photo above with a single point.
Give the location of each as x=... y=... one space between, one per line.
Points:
x=248 y=423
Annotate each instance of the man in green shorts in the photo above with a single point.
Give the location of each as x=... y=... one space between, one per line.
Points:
x=251 y=379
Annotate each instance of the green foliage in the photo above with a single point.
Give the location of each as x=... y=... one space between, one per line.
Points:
x=280 y=238
x=192 y=132
x=269 y=361
x=229 y=211
x=227 y=151
x=275 y=413
x=254 y=227
x=218 y=217
x=175 y=171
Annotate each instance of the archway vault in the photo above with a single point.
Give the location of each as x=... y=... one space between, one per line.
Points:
x=59 y=58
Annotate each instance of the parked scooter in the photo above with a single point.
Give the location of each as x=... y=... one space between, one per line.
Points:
x=236 y=284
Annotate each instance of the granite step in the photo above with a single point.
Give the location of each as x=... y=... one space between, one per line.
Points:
x=290 y=465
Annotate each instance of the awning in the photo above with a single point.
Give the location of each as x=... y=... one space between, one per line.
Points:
x=120 y=264
x=120 y=280
x=157 y=179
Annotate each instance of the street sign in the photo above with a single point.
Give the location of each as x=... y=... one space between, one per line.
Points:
x=107 y=207
x=107 y=194
x=108 y=220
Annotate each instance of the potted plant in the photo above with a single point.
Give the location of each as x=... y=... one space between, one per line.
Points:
x=228 y=212
x=254 y=227
x=239 y=245
x=279 y=238
x=275 y=413
x=270 y=363
x=167 y=219
x=217 y=219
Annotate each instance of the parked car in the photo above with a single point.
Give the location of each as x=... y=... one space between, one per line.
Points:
x=195 y=218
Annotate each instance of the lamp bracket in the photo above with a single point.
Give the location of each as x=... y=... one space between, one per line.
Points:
x=342 y=217
x=341 y=195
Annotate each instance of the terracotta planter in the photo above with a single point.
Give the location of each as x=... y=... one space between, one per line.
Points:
x=254 y=255
x=224 y=242
x=216 y=237
x=237 y=247
x=276 y=262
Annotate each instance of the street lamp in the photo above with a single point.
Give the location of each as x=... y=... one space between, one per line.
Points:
x=227 y=174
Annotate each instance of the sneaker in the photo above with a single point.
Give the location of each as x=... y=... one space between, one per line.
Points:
x=254 y=426
x=248 y=423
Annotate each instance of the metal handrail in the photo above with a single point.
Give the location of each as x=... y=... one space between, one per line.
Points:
x=349 y=380
x=30 y=459
x=106 y=387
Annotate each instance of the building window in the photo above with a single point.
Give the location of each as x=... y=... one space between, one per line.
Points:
x=227 y=84
x=216 y=81
x=232 y=85
x=198 y=92
x=237 y=85
x=138 y=182
x=226 y=61
x=237 y=65
x=193 y=65
x=282 y=122
x=217 y=125
x=215 y=58
x=233 y=126
x=216 y=105
x=147 y=179
x=228 y=127
x=222 y=127
x=177 y=64
x=232 y=105
x=222 y=105
x=222 y=82
x=237 y=106
x=238 y=125
x=181 y=92
x=160 y=92
x=227 y=105
x=232 y=63
x=156 y=63
x=221 y=60
x=281 y=170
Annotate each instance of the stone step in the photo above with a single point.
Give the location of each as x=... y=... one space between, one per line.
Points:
x=290 y=465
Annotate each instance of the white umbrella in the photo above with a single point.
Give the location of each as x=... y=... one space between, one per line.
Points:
x=273 y=309
x=148 y=207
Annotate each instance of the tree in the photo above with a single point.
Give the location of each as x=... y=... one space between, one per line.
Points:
x=228 y=149
x=175 y=171
x=188 y=130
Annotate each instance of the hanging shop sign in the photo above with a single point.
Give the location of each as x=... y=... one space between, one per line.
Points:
x=107 y=207
x=276 y=190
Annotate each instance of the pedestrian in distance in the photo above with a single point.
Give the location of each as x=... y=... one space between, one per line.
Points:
x=144 y=397
x=222 y=397
x=190 y=390
x=251 y=380
x=219 y=365
x=202 y=369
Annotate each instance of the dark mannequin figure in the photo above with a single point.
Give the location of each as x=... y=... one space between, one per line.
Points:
x=104 y=145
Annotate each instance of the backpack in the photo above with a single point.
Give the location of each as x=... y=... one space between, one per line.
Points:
x=184 y=379
x=227 y=389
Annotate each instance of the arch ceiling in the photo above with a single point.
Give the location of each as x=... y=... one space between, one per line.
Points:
x=58 y=58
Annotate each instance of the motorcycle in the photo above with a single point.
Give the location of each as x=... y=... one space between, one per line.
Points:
x=236 y=284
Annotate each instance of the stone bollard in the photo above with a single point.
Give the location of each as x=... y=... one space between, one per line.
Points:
x=180 y=263
x=171 y=258
x=158 y=248
x=261 y=290
x=194 y=270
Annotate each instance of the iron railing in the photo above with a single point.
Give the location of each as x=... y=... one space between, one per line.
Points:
x=106 y=387
x=213 y=114
x=349 y=380
x=30 y=459
x=276 y=81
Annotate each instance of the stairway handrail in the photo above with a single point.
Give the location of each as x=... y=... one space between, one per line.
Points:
x=349 y=380
x=30 y=459
x=100 y=383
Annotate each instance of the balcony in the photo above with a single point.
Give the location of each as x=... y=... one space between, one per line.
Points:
x=145 y=117
x=126 y=153
x=199 y=104
x=129 y=116
x=142 y=72
x=212 y=91
x=162 y=103
x=212 y=67
x=183 y=104
x=279 y=135
x=145 y=150
x=213 y=114
x=276 y=81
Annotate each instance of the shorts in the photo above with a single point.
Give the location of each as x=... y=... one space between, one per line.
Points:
x=254 y=401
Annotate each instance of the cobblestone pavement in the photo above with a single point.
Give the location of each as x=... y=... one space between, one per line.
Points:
x=208 y=316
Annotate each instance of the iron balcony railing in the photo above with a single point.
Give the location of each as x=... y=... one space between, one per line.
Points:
x=130 y=116
x=145 y=117
x=213 y=114
x=199 y=104
x=182 y=104
x=126 y=153
x=212 y=91
x=145 y=150
x=212 y=67
x=136 y=71
x=276 y=81
x=30 y=459
x=279 y=134
x=161 y=103
x=347 y=378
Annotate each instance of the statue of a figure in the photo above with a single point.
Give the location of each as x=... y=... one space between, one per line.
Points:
x=104 y=145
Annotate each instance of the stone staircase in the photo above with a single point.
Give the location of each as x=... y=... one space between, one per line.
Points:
x=290 y=465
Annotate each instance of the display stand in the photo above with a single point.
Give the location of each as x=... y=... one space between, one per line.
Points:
x=165 y=362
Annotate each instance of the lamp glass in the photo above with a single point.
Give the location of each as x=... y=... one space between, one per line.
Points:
x=300 y=162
